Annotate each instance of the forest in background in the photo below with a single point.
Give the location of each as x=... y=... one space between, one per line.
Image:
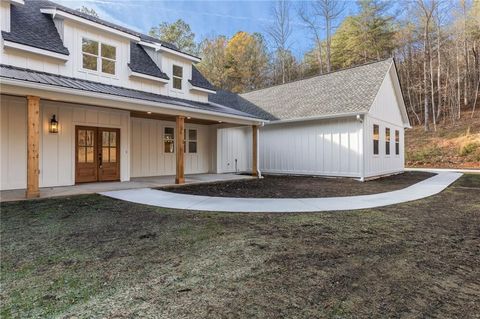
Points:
x=435 y=43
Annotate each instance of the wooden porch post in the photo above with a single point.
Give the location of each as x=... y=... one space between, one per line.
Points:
x=254 y=150
x=33 y=139
x=180 y=164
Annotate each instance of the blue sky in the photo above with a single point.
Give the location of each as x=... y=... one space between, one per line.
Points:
x=206 y=18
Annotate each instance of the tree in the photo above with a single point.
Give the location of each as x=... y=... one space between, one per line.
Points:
x=285 y=70
x=280 y=31
x=88 y=11
x=328 y=12
x=178 y=33
x=213 y=61
x=246 y=62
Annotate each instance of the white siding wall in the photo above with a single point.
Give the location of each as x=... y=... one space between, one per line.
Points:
x=234 y=149
x=13 y=151
x=73 y=32
x=149 y=158
x=385 y=113
x=57 y=151
x=329 y=147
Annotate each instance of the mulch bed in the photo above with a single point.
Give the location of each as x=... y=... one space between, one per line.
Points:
x=276 y=186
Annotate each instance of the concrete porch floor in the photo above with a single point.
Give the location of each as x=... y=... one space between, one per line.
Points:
x=137 y=182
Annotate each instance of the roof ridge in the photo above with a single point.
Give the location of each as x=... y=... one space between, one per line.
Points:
x=319 y=75
x=114 y=26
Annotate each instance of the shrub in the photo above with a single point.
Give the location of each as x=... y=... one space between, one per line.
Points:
x=469 y=148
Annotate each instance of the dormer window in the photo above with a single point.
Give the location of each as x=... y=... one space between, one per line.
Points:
x=98 y=56
x=177 y=77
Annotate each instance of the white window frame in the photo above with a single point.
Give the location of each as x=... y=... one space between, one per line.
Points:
x=373 y=139
x=388 y=139
x=177 y=77
x=99 y=57
x=188 y=140
x=165 y=140
x=397 y=133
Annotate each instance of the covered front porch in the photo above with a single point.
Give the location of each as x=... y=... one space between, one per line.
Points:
x=56 y=141
x=134 y=183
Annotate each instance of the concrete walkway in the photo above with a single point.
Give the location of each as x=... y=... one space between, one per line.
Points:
x=428 y=187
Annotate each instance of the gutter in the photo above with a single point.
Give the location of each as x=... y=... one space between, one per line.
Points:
x=313 y=118
x=58 y=89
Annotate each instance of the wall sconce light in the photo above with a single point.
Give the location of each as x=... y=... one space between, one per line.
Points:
x=53 y=128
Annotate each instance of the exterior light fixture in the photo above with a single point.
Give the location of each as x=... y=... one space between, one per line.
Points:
x=149 y=112
x=219 y=121
x=53 y=125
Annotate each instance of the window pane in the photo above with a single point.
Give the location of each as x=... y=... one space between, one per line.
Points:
x=397 y=136
x=387 y=148
x=113 y=154
x=81 y=137
x=108 y=66
x=105 y=156
x=113 y=139
x=177 y=83
x=192 y=147
x=168 y=133
x=397 y=148
x=177 y=71
x=90 y=155
x=89 y=62
x=90 y=46
x=81 y=154
x=105 y=138
x=109 y=51
x=90 y=138
x=169 y=146
x=387 y=134
x=192 y=135
x=375 y=147
x=375 y=132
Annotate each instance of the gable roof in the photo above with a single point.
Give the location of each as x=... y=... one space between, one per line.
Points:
x=141 y=62
x=26 y=75
x=30 y=26
x=341 y=92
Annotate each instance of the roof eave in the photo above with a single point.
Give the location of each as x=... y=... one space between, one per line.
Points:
x=320 y=117
x=35 y=50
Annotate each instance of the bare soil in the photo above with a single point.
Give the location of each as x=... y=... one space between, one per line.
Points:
x=282 y=186
x=94 y=257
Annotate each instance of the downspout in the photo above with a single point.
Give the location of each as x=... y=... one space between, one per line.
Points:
x=362 y=167
x=259 y=173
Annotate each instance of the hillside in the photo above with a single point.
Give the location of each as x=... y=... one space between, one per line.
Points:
x=451 y=146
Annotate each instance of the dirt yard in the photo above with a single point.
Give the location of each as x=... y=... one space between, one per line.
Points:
x=95 y=257
x=274 y=186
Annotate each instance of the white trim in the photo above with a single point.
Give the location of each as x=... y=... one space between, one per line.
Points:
x=197 y=88
x=56 y=12
x=313 y=118
x=155 y=105
x=27 y=48
x=181 y=54
x=155 y=46
x=16 y=2
x=146 y=76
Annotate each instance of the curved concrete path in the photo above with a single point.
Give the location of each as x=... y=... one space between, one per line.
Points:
x=148 y=196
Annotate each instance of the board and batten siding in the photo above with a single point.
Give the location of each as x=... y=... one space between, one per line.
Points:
x=328 y=147
x=149 y=158
x=384 y=112
x=234 y=149
x=57 y=151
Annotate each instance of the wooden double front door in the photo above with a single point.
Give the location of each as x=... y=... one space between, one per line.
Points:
x=97 y=153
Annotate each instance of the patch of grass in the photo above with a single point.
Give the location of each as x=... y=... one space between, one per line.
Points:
x=91 y=256
x=425 y=154
x=469 y=148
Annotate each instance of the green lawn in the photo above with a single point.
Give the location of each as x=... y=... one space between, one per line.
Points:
x=91 y=256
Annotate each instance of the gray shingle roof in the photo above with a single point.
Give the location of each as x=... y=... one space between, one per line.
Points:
x=141 y=62
x=29 y=26
x=345 y=91
x=10 y=72
x=199 y=80
x=235 y=101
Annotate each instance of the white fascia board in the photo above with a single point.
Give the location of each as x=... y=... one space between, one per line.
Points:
x=313 y=118
x=30 y=49
x=197 y=88
x=151 y=106
x=155 y=46
x=180 y=54
x=55 y=12
x=15 y=2
x=148 y=77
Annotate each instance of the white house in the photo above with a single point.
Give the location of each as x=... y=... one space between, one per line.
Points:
x=345 y=123
x=85 y=100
